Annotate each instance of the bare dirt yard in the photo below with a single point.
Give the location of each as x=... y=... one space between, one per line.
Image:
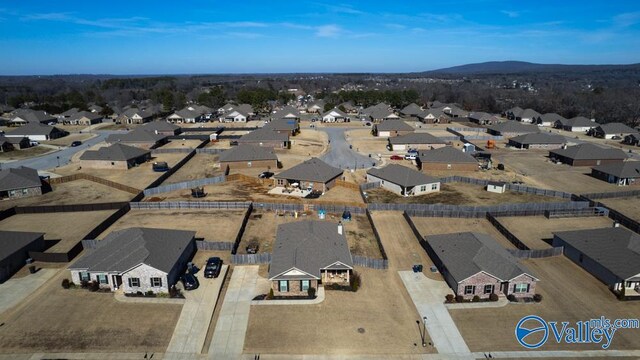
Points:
x=68 y=227
x=181 y=144
x=308 y=143
x=435 y=226
x=57 y=320
x=569 y=294
x=73 y=192
x=263 y=225
x=198 y=167
x=226 y=191
x=458 y=194
x=212 y=225
x=629 y=206
x=342 y=194
x=537 y=231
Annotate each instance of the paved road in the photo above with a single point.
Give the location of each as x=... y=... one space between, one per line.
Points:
x=13 y=291
x=339 y=154
x=50 y=161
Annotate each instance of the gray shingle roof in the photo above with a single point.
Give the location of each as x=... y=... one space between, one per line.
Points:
x=247 y=152
x=552 y=117
x=12 y=241
x=34 y=128
x=416 y=138
x=616 y=249
x=381 y=113
x=436 y=113
x=281 y=124
x=115 y=152
x=447 y=155
x=85 y=114
x=626 y=169
x=308 y=246
x=137 y=135
x=588 y=151
x=615 y=128
x=123 y=249
x=264 y=135
x=13 y=140
x=515 y=111
x=578 y=121
x=468 y=253
x=37 y=116
x=338 y=113
x=529 y=114
x=394 y=125
x=514 y=127
x=19 y=178
x=402 y=175
x=411 y=109
x=188 y=114
x=163 y=126
x=539 y=138
x=313 y=169
x=286 y=112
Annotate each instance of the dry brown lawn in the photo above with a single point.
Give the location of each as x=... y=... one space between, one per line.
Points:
x=342 y=194
x=67 y=140
x=226 y=191
x=181 y=144
x=25 y=153
x=569 y=294
x=629 y=206
x=58 y=320
x=436 y=226
x=198 y=167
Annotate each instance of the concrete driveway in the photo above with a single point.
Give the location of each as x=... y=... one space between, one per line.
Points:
x=340 y=155
x=13 y=291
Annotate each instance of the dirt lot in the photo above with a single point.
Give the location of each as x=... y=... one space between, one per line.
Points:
x=198 y=167
x=58 y=320
x=56 y=226
x=67 y=140
x=629 y=206
x=458 y=194
x=181 y=144
x=436 y=226
x=73 y=192
x=263 y=225
x=25 y=153
x=212 y=225
x=342 y=194
x=308 y=143
x=537 y=231
x=569 y=294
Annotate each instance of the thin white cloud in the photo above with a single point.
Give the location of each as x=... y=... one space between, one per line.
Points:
x=626 y=19
x=330 y=30
x=511 y=13
x=394 y=26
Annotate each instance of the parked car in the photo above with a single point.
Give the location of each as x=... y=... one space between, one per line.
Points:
x=616 y=137
x=212 y=269
x=411 y=156
x=396 y=157
x=76 y=143
x=33 y=143
x=253 y=247
x=160 y=166
x=314 y=194
x=190 y=281
x=265 y=175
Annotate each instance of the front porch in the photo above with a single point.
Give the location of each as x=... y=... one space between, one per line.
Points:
x=336 y=276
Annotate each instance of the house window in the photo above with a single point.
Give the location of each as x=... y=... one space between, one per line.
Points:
x=283 y=286
x=434 y=186
x=134 y=282
x=469 y=289
x=448 y=166
x=156 y=282
x=84 y=276
x=423 y=188
x=25 y=191
x=520 y=288
x=488 y=289
x=103 y=279
x=304 y=285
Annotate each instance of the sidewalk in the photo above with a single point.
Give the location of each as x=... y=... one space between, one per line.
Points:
x=319 y=298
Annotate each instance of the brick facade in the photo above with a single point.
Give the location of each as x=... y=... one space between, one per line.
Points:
x=23 y=193
x=431 y=166
x=260 y=164
x=119 y=165
x=294 y=288
x=480 y=280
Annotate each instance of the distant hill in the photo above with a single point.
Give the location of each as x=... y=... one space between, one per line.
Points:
x=511 y=67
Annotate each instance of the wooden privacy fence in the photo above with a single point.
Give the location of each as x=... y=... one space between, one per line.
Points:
x=82 y=176
x=378 y=264
x=246 y=259
x=622 y=219
x=184 y=185
x=69 y=208
x=590 y=211
x=348 y=185
x=225 y=205
x=610 y=195
x=513 y=187
x=214 y=245
x=171 y=151
x=376 y=235
x=479 y=211
x=507 y=234
x=210 y=151
x=536 y=254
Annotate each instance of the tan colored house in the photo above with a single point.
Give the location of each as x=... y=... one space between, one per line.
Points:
x=19 y=183
x=414 y=140
x=116 y=156
x=248 y=156
x=446 y=158
x=312 y=174
x=389 y=128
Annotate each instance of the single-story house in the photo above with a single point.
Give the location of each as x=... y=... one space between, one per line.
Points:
x=185 y=116
x=137 y=259
x=415 y=140
x=308 y=253
x=134 y=116
x=496 y=187
x=315 y=107
x=95 y=108
x=587 y=154
x=632 y=139
x=234 y=116
x=412 y=109
x=19 y=182
x=288 y=112
x=17 y=142
x=389 y=128
x=312 y=174
x=621 y=173
x=529 y=116
x=610 y=254
x=549 y=119
x=512 y=128
x=290 y=127
x=446 y=158
x=538 y=141
x=27 y=116
x=513 y=113
x=5 y=144
x=36 y=131
x=349 y=108
x=335 y=115
x=116 y=156
x=483 y=118
x=226 y=107
x=138 y=138
x=379 y=113
x=452 y=110
x=248 y=156
x=403 y=181
x=162 y=128
x=14 y=250
x=474 y=264
x=576 y=124
x=84 y=118
x=267 y=138
x=433 y=116
x=609 y=130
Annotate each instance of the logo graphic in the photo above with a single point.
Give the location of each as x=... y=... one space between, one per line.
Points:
x=528 y=326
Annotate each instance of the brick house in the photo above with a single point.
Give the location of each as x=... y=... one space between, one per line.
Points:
x=621 y=174
x=512 y=128
x=433 y=116
x=283 y=126
x=446 y=158
x=389 y=128
x=116 y=156
x=403 y=181
x=309 y=253
x=161 y=128
x=474 y=264
x=248 y=156
x=414 y=140
x=139 y=138
x=137 y=260
x=134 y=116
x=266 y=138
x=587 y=154
x=36 y=131
x=312 y=174
x=19 y=183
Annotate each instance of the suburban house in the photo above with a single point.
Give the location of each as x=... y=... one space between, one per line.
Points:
x=16 y=142
x=234 y=116
x=161 y=127
x=26 y=116
x=134 y=116
x=288 y=112
x=621 y=173
x=513 y=113
x=315 y=107
x=452 y=110
x=550 y=119
x=19 y=183
x=267 y=138
x=206 y=111
x=138 y=138
x=474 y=264
x=433 y=116
x=67 y=114
x=411 y=110
x=446 y=158
x=290 y=127
x=349 y=108
x=84 y=118
x=116 y=156
x=185 y=115
x=248 y=156
x=95 y=108
x=403 y=181
x=137 y=260
x=609 y=130
x=576 y=124
x=632 y=139
x=36 y=131
x=512 y=128
x=226 y=107
x=415 y=140
x=309 y=253
x=379 y=113
x=610 y=254
x=389 y=128
x=483 y=118
x=529 y=116
x=537 y=141
x=5 y=145
x=587 y=154
x=335 y=115
x=312 y=174
x=14 y=250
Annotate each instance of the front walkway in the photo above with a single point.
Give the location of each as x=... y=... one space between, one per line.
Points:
x=231 y=327
x=319 y=298
x=13 y=291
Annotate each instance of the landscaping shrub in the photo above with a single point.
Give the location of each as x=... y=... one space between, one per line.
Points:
x=270 y=295
x=149 y=293
x=450 y=298
x=311 y=292
x=84 y=284
x=493 y=297
x=66 y=283
x=174 y=292
x=512 y=298
x=476 y=298
x=94 y=286
x=355 y=281
x=537 y=297
x=459 y=298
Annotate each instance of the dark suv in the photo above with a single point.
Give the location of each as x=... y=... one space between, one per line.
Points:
x=212 y=269
x=190 y=281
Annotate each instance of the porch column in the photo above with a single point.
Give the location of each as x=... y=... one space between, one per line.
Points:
x=348 y=272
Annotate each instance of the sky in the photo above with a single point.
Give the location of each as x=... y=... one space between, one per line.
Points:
x=276 y=36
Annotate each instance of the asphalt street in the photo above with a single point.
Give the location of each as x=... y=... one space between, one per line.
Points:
x=340 y=155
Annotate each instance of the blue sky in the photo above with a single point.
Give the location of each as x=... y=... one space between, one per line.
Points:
x=180 y=37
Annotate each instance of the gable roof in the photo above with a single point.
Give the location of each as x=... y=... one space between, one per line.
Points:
x=12 y=241
x=335 y=112
x=552 y=117
x=308 y=246
x=29 y=115
x=615 y=128
x=578 y=121
x=19 y=178
x=85 y=114
x=625 y=169
x=286 y=112
x=481 y=116
x=435 y=113
x=313 y=169
x=124 y=249
x=411 y=109
x=263 y=134
x=115 y=152
x=131 y=112
x=447 y=154
x=137 y=135
x=529 y=114
x=247 y=152
x=616 y=249
x=394 y=125
x=539 y=138
x=15 y=140
x=159 y=125
x=514 y=127
x=186 y=113
x=468 y=253
x=33 y=128
x=589 y=151
x=515 y=111
x=281 y=124
x=416 y=138
x=402 y=175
